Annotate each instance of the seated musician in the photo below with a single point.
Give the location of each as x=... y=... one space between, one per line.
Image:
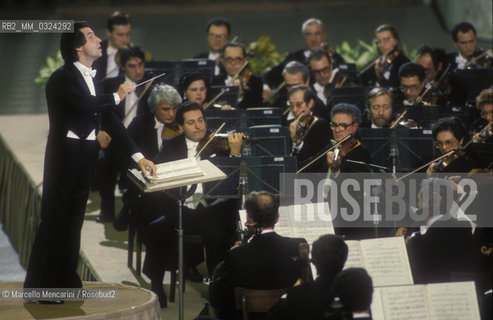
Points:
x=468 y=56
x=386 y=71
x=308 y=300
x=314 y=33
x=267 y=261
x=218 y=31
x=412 y=78
x=484 y=102
x=309 y=133
x=449 y=135
x=443 y=243
x=433 y=61
x=159 y=212
x=233 y=59
x=109 y=164
x=345 y=121
x=325 y=76
x=194 y=87
x=379 y=109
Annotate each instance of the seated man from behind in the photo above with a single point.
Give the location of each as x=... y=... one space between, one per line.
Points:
x=329 y=254
x=352 y=293
x=268 y=261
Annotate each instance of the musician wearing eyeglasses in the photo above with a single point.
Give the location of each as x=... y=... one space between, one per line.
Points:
x=483 y=126
x=218 y=31
x=325 y=76
x=412 y=84
x=234 y=60
x=450 y=135
x=309 y=133
x=345 y=119
x=469 y=55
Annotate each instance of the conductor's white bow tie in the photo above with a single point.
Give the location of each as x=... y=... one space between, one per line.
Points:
x=90 y=72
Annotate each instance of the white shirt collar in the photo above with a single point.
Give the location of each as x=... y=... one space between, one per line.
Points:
x=191 y=145
x=110 y=50
x=82 y=68
x=158 y=124
x=127 y=79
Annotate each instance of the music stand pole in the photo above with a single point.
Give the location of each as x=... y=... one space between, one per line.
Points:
x=181 y=202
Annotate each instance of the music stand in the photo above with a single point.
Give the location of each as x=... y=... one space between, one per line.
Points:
x=263 y=116
x=356 y=96
x=230 y=96
x=211 y=173
x=175 y=69
x=472 y=80
x=485 y=153
x=215 y=118
x=415 y=146
x=349 y=70
x=258 y=173
x=271 y=141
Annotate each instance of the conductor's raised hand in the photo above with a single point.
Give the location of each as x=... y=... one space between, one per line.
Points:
x=146 y=166
x=124 y=89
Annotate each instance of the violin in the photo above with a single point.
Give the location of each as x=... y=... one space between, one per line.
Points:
x=383 y=63
x=344 y=148
x=303 y=125
x=337 y=145
x=446 y=161
x=484 y=134
x=481 y=60
x=170 y=131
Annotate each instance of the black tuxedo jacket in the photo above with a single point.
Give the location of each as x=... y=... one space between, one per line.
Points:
x=314 y=142
x=253 y=96
x=67 y=175
x=268 y=261
x=142 y=131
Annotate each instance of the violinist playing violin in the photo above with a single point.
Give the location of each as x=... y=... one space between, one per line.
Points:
x=468 y=56
x=449 y=135
x=325 y=76
x=345 y=121
x=308 y=132
x=234 y=58
x=412 y=84
x=391 y=57
x=484 y=102
x=434 y=62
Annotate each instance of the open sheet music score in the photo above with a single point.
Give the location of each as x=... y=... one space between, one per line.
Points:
x=385 y=259
x=176 y=170
x=436 y=301
x=176 y=174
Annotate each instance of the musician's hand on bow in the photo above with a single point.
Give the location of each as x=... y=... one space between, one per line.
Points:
x=103 y=138
x=235 y=140
x=146 y=166
x=125 y=89
x=431 y=169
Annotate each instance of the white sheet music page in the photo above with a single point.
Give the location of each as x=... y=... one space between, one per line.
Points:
x=175 y=170
x=354 y=257
x=404 y=303
x=386 y=261
x=453 y=301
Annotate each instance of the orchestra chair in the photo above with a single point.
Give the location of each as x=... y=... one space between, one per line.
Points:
x=255 y=300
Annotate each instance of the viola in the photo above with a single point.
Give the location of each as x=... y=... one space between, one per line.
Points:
x=383 y=63
x=446 y=161
x=170 y=131
x=303 y=125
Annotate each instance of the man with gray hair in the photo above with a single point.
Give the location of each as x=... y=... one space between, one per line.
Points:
x=313 y=31
x=147 y=129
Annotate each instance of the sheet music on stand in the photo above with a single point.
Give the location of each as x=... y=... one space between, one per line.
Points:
x=190 y=173
x=449 y=300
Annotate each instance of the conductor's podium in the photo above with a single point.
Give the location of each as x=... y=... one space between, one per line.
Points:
x=130 y=303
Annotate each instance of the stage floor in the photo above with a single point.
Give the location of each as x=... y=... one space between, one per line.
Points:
x=104 y=247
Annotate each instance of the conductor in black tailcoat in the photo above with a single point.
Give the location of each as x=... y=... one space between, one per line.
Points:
x=75 y=109
x=268 y=261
